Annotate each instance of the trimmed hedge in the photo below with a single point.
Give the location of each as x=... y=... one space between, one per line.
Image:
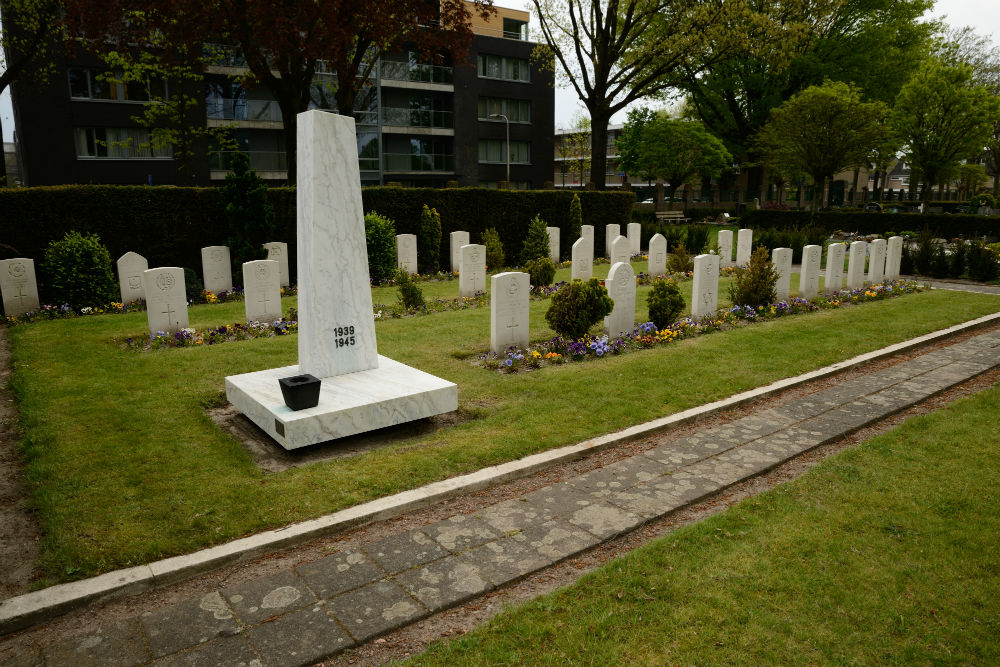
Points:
x=940 y=224
x=169 y=225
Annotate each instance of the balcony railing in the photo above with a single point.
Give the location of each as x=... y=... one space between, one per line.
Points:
x=421 y=162
x=259 y=160
x=397 y=71
x=417 y=117
x=265 y=110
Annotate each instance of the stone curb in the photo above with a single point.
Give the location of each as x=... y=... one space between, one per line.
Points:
x=25 y=610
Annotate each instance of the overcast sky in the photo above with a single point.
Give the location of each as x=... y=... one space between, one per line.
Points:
x=982 y=14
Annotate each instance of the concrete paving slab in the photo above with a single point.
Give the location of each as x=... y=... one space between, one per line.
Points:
x=646 y=501
x=604 y=520
x=188 y=623
x=461 y=532
x=510 y=515
x=505 y=560
x=234 y=650
x=256 y=601
x=375 y=608
x=29 y=659
x=119 y=645
x=672 y=457
x=557 y=500
x=444 y=583
x=300 y=638
x=339 y=573
x=404 y=551
x=556 y=539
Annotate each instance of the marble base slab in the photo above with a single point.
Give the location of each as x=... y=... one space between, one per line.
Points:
x=352 y=403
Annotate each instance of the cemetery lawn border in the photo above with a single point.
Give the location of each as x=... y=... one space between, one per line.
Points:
x=885 y=553
x=125 y=467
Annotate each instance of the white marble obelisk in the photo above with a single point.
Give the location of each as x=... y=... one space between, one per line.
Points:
x=336 y=324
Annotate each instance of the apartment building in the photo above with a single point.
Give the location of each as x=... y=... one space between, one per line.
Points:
x=418 y=123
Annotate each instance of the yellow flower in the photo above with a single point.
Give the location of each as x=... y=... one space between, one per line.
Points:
x=535 y=354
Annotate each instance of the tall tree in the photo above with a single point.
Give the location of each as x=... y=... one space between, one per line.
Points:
x=821 y=131
x=794 y=44
x=574 y=148
x=284 y=43
x=614 y=52
x=27 y=34
x=943 y=117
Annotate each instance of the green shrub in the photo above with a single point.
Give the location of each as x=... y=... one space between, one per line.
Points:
x=410 y=294
x=575 y=217
x=906 y=261
x=541 y=270
x=78 y=272
x=577 y=307
x=939 y=263
x=680 y=260
x=697 y=238
x=429 y=241
x=925 y=253
x=984 y=265
x=247 y=211
x=956 y=261
x=193 y=287
x=753 y=284
x=665 y=303
x=380 y=235
x=494 y=251
x=536 y=243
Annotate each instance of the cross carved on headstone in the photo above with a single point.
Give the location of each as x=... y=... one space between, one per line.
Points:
x=264 y=300
x=169 y=312
x=20 y=294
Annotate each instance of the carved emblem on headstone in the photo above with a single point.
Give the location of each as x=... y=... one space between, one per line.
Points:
x=16 y=270
x=165 y=281
x=261 y=272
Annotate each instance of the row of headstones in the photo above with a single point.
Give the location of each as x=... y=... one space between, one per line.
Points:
x=883 y=264
x=163 y=288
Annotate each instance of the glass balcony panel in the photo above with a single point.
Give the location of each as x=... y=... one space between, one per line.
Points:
x=259 y=160
x=419 y=162
x=260 y=110
x=417 y=117
x=399 y=71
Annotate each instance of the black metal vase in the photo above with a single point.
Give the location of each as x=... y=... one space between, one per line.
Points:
x=300 y=391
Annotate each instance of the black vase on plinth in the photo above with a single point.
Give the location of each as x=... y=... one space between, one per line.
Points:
x=300 y=391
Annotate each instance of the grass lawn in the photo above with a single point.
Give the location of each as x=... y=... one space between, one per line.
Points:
x=883 y=554
x=125 y=467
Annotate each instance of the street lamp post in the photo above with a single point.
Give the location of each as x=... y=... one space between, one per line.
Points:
x=506 y=120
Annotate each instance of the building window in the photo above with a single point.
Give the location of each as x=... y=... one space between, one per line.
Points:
x=118 y=143
x=517 y=111
x=493 y=150
x=86 y=83
x=503 y=67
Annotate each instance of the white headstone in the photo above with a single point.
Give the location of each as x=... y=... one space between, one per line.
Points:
x=834 y=267
x=744 y=246
x=812 y=256
x=876 y=261
x=705 y=288
x=621 y=250
x=725 y=247
x=278 y=251
x=166 y=300
x=782 y=260
x=130 y=268
x=856 y=265
x=509 y=310
x=336 y=323
x=657 y=255
x=893 y=257
x=472 y=273
x=587 y=232
x=458 y=239
x=217 y=272
x=583 y=260
x=635 y=237
x=553 y=244
x=262 y=290
x=18 y=286
x=620 y=284
x=406 y=252
x=611 y=232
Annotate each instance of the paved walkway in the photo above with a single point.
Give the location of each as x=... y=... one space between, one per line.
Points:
x=313 y=611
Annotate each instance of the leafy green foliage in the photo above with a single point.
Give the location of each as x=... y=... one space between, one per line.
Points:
x=193 y=286
x=794 y=238
x=822 y=131
x=410 y=294
x=429 y=241
x=380 y=235
x=665 y=303
x=248 y=212
x=577 y=307
x=541 y=270
x=575 y=217
x=696 y=238
x=77 y=270
x=753 y=284
x=536 y=243
x=680 y=260
x=984 y=265
x=494 y=250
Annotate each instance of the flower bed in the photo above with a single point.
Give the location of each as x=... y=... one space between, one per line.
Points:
x=226 y=333
x=559 y=350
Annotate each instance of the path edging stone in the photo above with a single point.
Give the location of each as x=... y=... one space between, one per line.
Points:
x=25 y=610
